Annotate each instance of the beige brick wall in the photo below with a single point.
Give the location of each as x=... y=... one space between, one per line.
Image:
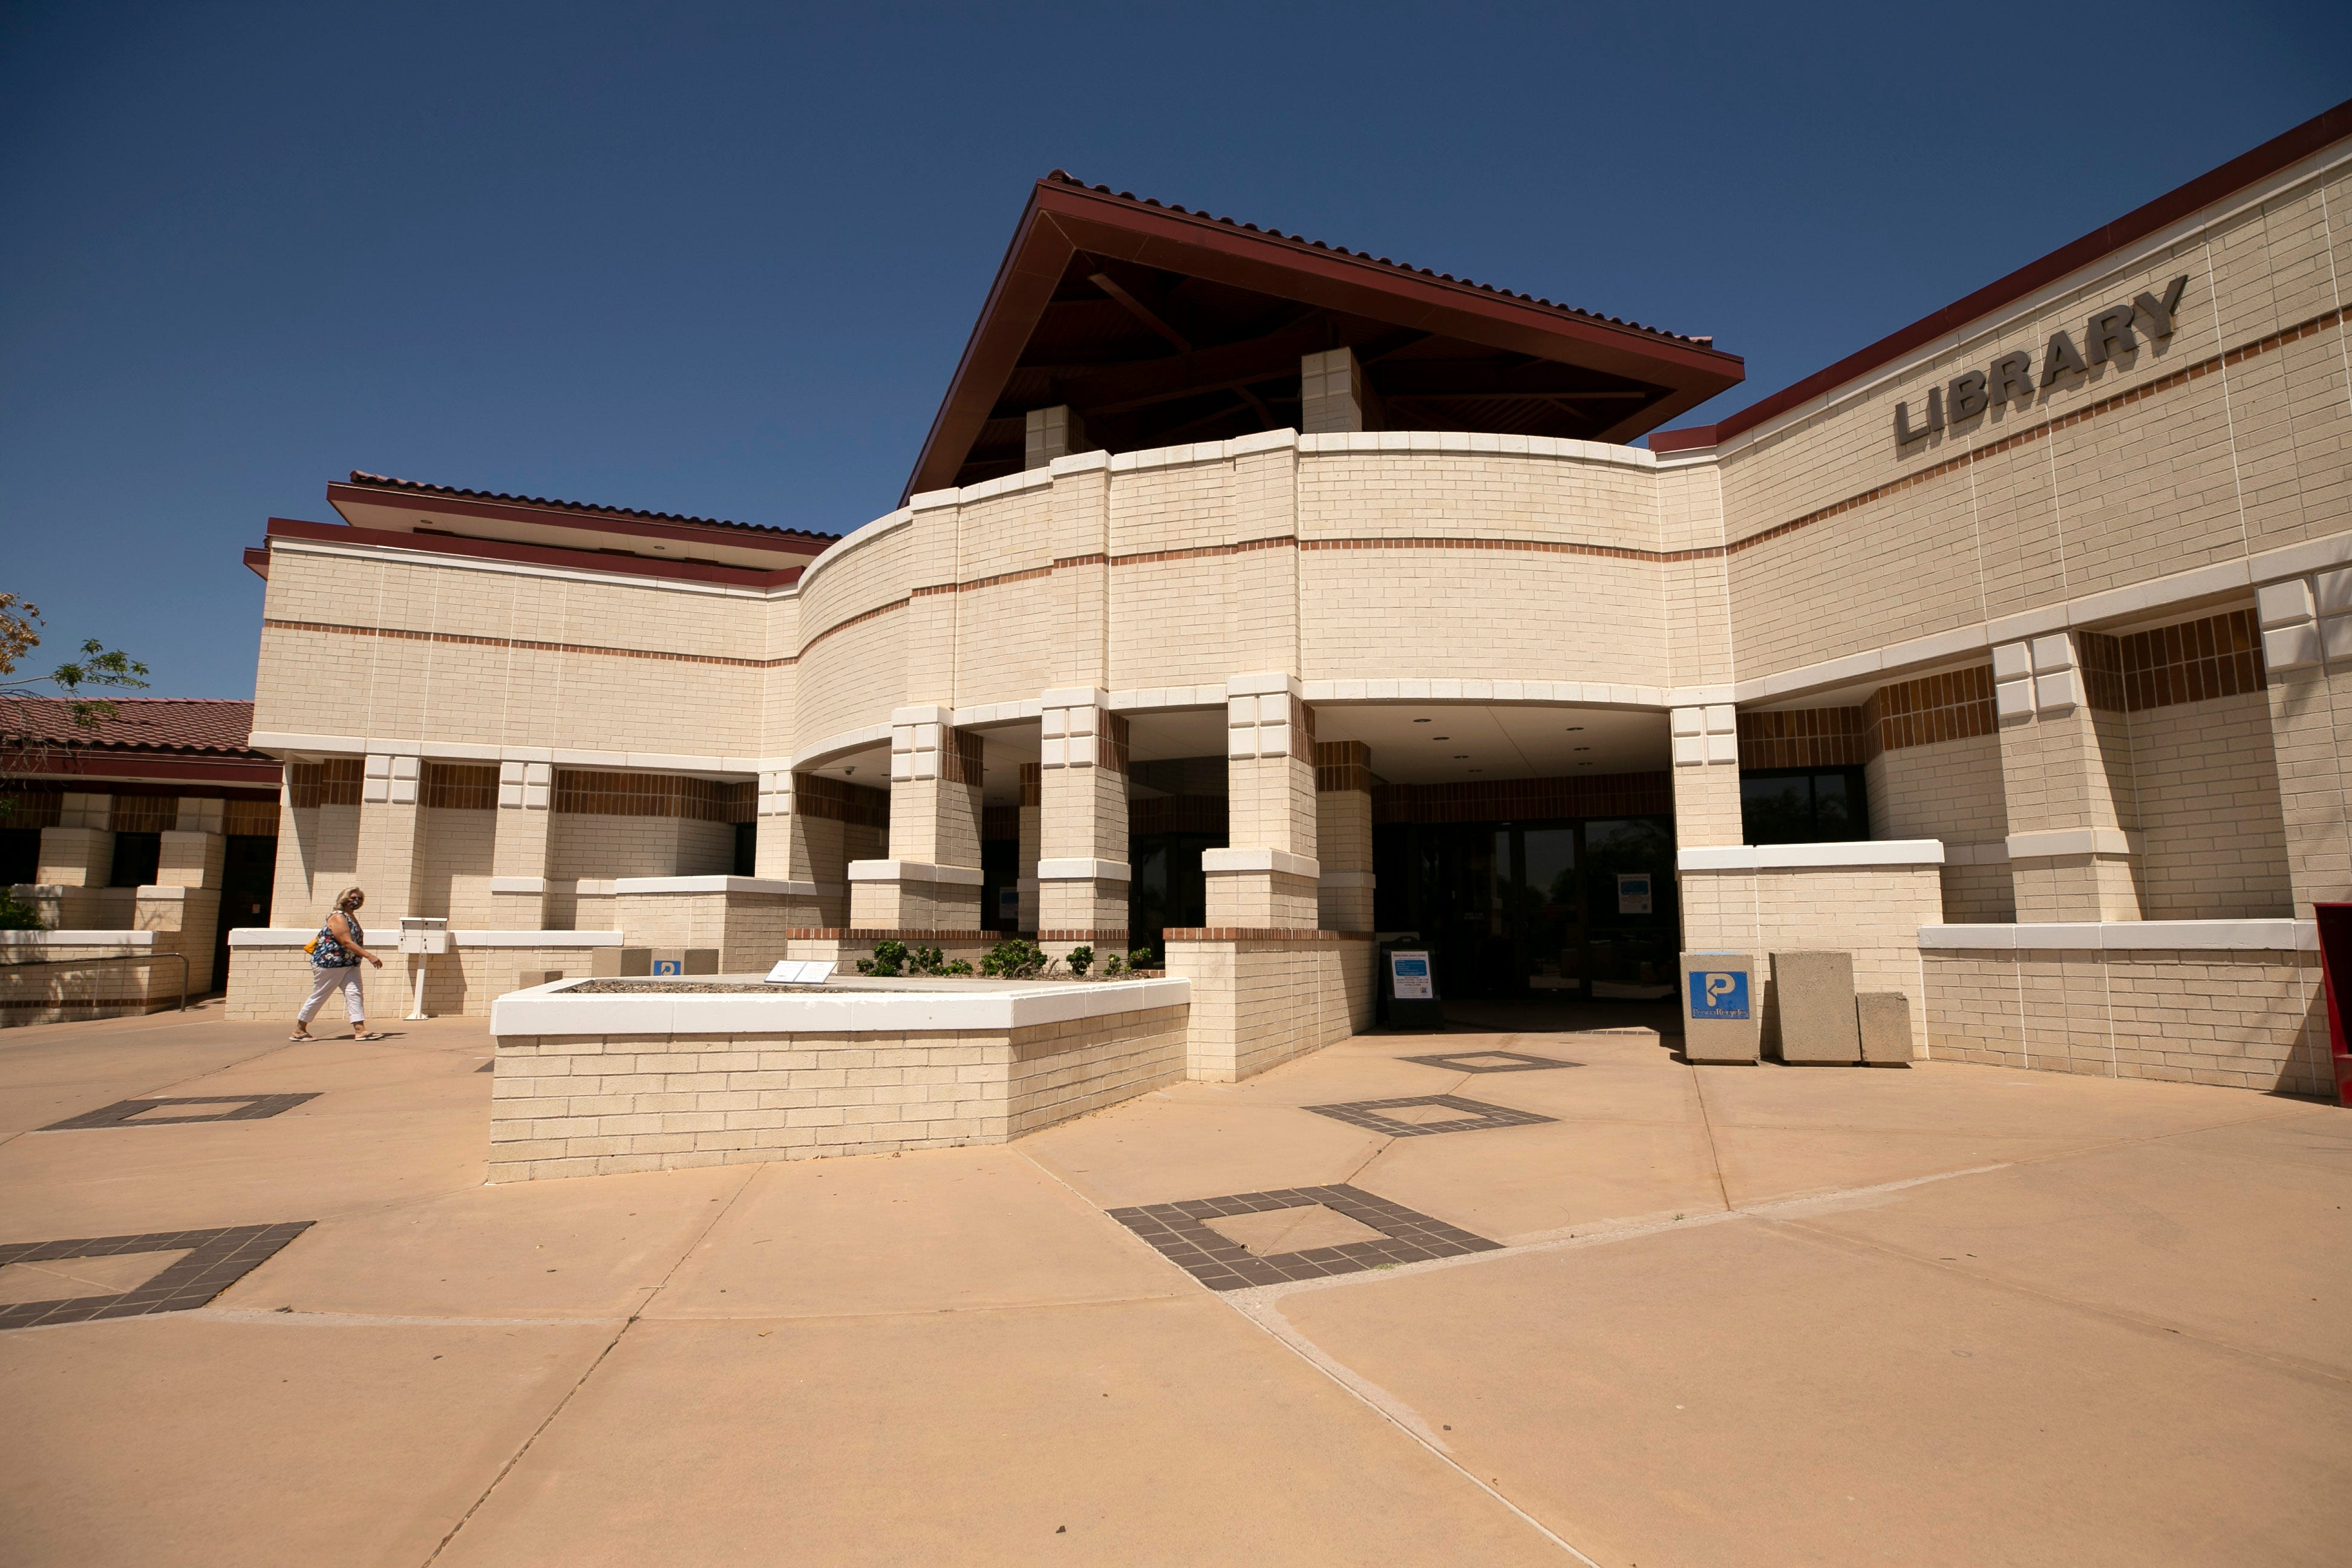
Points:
x=2243 y=1020
x=1950 y=791
x=1259 y=1002
x=572 y=1106
x=2214 y=843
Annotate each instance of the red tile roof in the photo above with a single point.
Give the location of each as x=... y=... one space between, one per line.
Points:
x=172 y=726
x=1062 y=177
x=418 y=486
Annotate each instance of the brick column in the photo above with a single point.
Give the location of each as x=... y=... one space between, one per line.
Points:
x=1334 y=395
x=931 y=883
x=2065 y=763
x=390 y=818
x=1266 y=876
x=1050 y=433
x=184 y=898
x=1032 y=794
x=519 y=851
x=1706 y=776
x=1343 y=835
x=77 y=860
x=1082 y=869
x=2307 y=649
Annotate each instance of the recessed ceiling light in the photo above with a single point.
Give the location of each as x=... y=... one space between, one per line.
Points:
x=1572 y=729
x=1478 y=770
x=1421 y=721
x=1584 y=748
x=1440 y=737
x=1461 y=756
x=1584 y=764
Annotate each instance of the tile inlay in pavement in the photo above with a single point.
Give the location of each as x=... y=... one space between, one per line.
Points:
x=1475 y=1115
x=214 y=1260
x=1490 y=1061
x=1186 y=1235
x=131 y=1112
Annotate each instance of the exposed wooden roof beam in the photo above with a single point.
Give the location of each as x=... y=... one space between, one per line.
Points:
x=1139 y=311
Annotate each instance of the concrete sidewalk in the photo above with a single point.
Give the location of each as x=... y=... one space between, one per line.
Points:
x=1762 y=1315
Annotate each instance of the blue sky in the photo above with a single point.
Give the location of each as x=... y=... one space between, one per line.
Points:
x=721 y=259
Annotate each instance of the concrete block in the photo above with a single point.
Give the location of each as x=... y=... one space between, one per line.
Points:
x=1816 y=1006
x=1885 y=1019
x=1723 y=1016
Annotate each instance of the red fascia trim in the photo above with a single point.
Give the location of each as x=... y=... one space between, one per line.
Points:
x=2278 y=153
x=557 y=517
x=257 y=561
x=75 y=764
x=534 y=554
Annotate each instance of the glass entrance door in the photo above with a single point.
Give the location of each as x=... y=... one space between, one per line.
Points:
x=1562 y=912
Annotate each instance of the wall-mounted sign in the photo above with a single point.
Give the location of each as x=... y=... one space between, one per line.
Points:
x=1719 y=995
x=669 y=966
x=1409 y=978
x=2010 y=379
x=1633 y=892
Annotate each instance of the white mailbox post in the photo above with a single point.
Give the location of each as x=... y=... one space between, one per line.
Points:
x=422 y=936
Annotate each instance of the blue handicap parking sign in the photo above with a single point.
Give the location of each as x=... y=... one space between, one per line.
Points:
x=1720 y=995
x=669 y=966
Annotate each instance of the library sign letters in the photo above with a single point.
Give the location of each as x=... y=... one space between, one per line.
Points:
x=2011 y=379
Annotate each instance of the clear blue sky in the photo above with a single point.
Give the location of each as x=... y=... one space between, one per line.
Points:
x=720 y=259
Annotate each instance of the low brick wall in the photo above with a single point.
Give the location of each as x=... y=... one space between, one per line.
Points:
x=1874 y=912
x=652 y=1085
x=269 y=975
x=2240 y=1018
x=1260 y=998
x=47 y=993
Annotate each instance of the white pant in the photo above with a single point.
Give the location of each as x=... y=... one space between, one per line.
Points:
x=324 y=982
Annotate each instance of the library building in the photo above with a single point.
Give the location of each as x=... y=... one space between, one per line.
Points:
x=1254 y=602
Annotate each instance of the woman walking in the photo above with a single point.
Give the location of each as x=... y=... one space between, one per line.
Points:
x=335 y=955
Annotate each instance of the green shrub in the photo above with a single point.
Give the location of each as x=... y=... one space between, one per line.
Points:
x=890 y=958
x=960 y=966
x=1140 y=958
x=1014 y=958
x=1081 y=959
x=1114 y=965
x=14 y=916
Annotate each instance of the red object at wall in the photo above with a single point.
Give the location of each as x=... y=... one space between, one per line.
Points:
x=2336 y=972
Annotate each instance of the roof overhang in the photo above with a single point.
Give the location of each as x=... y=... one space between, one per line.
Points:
x=1064 y=220
x=383 y=509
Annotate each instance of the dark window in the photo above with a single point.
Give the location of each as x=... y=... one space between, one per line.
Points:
x=136 y=857
x=747 y=848
x=20 y=855
x=1802 y=805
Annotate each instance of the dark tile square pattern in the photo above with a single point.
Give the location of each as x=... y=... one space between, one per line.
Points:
x=1477 y=1115
x=1181 y=1233
x=243 y=1107
x=216 y=1260
x=1490 y=1061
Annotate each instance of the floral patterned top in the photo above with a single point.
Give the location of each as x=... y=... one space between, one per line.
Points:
x=332 y=954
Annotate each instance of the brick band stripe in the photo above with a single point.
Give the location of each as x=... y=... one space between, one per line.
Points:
x=397 y=634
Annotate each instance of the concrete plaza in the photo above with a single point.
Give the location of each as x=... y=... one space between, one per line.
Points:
x=1714 y=1315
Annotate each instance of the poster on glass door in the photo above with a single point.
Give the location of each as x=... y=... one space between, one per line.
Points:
x=1632 y=893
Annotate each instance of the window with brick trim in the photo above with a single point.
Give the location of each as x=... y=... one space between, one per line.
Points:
x=461 y=786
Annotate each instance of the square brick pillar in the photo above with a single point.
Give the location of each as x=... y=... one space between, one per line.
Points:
x=77 y=860
x=2066 y=765
x=1266 y=879
x=1343 y=835
x=185 y=895
x=804 y=833
x=2307 y=651
x=389 y=820
x=1033 y=797
x=931 y=883
x=1334 y=395
x=519 y=850
x=1082 y=869
x=1050 y=433
x=1706 y=776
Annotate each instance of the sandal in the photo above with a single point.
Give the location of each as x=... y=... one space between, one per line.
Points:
x=301 y=1037
x=371 y=1035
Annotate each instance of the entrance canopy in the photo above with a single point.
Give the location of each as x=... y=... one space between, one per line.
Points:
x=1156 y=326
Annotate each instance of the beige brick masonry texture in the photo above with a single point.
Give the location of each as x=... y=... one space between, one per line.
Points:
x=580 y=1105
